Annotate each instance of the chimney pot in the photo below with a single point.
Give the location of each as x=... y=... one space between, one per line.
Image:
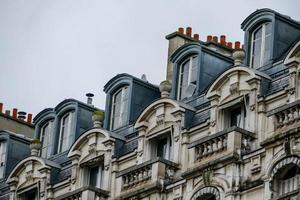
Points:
x=1 y=107
x=7 y=112
x=196 y=36
x=237 y=45
x=229 y=44
x=29 y=118
x=181 y=30
x=15 y=113
x=189 y=31
x=21 y=115
x=215 y=39
x=209 y=38
x=223 y=40
x=89 y=98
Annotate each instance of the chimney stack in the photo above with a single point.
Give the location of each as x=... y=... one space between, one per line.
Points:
x=237 y=45
x=21 y=115
x=7 y=112
x=1 y=107
x=196 y=36
x=89 y=98
x=229 y=44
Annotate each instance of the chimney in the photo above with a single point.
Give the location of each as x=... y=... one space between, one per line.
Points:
x=223 y=40
x=29 y=118
x=1 y=107
x=215 y=39
x=209 y=38
x=229 y=44
x=21 y=115
x=188 y=31
x=7 y=112
x=89 y=98
x=181 y=30
x=15 y=113
x=196 y=36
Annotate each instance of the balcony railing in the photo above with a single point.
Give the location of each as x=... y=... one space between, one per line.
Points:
x=85 y=193
x=148 y=175
x=286 y=115
x=222 y=143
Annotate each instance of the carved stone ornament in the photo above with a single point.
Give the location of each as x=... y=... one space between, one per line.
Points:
x=234 y=88
x=160 y=119
x=213 y=123
x=252 y=107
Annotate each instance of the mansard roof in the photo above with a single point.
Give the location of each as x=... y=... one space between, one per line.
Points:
x=125 y=78
x=267 y=12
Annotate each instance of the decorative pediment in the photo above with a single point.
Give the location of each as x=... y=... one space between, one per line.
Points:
x=293 y=56
x=235 y=82
x=29 y=171
x=161 y=114
x=91 y=145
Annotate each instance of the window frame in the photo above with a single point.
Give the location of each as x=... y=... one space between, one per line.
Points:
x=262 y=46
x=181 y=72
x=86 y=175
x=3 y=155
x=49 y=123
x=69 y=114
x=122 y=104
x=154 y=146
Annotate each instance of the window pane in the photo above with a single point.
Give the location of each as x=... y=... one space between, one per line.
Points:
x=235 y=117
x=194 y=70
x=120 y=107
x=46 y=140
x=184 y=79
x=65 y=130
x=162 y=148
x=94 y=172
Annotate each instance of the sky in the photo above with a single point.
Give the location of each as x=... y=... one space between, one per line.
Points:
x=52 y=50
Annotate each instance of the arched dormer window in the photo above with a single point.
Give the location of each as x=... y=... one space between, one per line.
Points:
x=261 y=45
x=65 y=140
x=187 y=78
x=45 y=138
x=119 y=108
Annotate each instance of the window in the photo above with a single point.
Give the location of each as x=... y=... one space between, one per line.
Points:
x=45 y=138
x=95 y=176
x=119 y=108
x=30 y=195
x=187 y=79
x=65 y=132
x=261 y=46
x=2 y=158
x=236 y=116
x=288 y=181
x=162 y=147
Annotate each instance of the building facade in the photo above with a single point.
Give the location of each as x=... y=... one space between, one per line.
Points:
x=223 y=126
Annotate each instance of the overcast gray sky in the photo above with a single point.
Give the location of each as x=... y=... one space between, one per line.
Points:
x=51 y=50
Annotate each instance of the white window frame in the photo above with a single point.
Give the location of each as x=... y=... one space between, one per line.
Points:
x=179 y=85
x=3 y=148
x=122 y=104
x=262 y=46
x=70 y=119
x=42 y=136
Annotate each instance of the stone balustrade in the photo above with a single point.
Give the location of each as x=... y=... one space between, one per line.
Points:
x=221 y=143
x=286 y=115
x=147 y=173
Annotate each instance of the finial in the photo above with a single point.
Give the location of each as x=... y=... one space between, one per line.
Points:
x=98 y=117
x=238 y=57
x=165 y=88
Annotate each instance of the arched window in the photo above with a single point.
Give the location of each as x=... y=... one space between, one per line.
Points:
x=187 y=79
x=119 y=108
x=261 y=45
x=45 y=138
x=288 y=180
x=65 y=132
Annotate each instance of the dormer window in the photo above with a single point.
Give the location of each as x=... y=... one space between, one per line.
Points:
x=187 y=79
x=2 y=158
x=119 y=108
x=45 y=138
x=65 y=132
x=261 y=45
